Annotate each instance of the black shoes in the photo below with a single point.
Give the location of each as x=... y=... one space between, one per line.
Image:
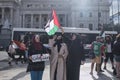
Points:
x=101 y=71
x=105 y=67
x=9 y=63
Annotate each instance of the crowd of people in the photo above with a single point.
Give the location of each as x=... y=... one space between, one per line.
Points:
x=104 y=49
x=67 y=55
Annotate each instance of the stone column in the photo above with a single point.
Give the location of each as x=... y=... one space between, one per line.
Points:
x=23 y=21
x=32 y=21
x=40 y=21
x=3 y=15
x=11 y=16
x=20 y=23
x=65 y=20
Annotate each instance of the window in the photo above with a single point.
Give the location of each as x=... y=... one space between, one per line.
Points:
x=81 y=25
x=28 y=25
x=91 y=26
x=28 y=18
x=29 y=5
x=45 y=17
x=99 y=14
x=90 y=14
x=61 y=18
x=37 y=19
x=81 y=14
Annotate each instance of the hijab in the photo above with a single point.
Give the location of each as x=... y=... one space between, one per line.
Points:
x=37 y=45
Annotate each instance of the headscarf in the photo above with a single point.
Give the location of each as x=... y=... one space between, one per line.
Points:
x=37 y=45
x=58 y=43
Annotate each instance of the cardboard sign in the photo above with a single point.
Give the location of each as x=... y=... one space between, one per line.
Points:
x=39 y=57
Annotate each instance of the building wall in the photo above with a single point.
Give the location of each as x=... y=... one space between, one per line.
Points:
x=74 y=13
x=86 y=13
x=35 y=14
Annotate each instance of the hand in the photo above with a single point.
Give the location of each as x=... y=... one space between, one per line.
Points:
x=30 y=57
x=82 y=62
x=62 y=30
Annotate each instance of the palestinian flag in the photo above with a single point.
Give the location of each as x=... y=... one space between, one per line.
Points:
x=53 y=24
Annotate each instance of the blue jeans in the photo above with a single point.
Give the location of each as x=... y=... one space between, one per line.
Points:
x=36 y=75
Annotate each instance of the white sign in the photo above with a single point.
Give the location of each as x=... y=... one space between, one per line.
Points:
x=39 y=57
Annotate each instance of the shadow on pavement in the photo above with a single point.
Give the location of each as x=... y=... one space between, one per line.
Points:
x=111 y=73
x=101 y=77
x=20 y=75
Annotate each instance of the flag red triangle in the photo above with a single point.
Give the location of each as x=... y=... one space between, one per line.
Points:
x=56 y=22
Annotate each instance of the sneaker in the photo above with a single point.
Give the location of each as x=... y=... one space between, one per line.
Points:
x=101 y=71
x=9 y=63
x=105 y=67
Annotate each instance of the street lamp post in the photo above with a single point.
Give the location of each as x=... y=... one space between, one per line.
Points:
x=112 y=23
x=100 y=27
x=118 y=12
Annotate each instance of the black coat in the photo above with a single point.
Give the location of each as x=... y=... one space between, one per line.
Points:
x=116 y=48
x=76 y=52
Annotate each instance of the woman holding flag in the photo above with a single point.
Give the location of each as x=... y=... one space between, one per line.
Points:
x=58 y=57
x=58 y=48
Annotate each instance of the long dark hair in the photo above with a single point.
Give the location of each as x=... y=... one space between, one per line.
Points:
x=109 y=39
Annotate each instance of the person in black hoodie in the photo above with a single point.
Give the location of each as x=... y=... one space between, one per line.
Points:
x=35 y=68
x=116 y=51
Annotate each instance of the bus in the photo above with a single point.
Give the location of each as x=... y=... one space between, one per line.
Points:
x=87 y=36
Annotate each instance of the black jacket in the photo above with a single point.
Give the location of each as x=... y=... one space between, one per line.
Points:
x=35 y=66
x=76 y=50
x=116 y=48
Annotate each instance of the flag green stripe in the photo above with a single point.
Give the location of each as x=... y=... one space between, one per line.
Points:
x=53 y=30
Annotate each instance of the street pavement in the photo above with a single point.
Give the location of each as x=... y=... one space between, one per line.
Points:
x=18 y=72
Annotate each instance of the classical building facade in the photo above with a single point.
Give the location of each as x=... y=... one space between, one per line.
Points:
x=71 y=13
x=115 y=12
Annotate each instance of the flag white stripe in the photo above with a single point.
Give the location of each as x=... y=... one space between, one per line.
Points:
x=50 y=26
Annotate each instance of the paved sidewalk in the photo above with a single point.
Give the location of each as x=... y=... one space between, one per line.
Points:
x=3 y=55
x=18 y=72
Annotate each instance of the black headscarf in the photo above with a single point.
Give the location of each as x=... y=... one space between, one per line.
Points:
x=58 y=43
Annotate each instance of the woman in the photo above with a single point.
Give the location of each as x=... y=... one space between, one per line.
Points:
x=75 y=57
x=59 y=54
x=109 y=54
x=36 y=68
x=116 y=51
